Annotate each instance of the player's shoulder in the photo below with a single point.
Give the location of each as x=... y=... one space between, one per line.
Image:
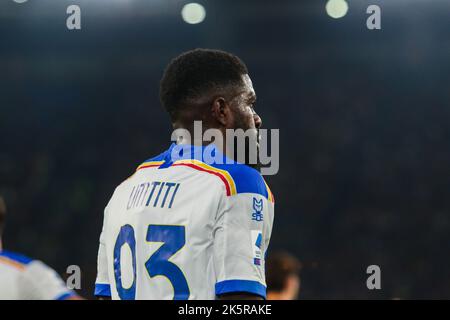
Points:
x=245 y=179
x=238 y=178
x=16 y=260
x=40 y=281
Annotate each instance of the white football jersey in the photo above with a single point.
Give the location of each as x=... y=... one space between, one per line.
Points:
x=183 y=229
x=22 y=278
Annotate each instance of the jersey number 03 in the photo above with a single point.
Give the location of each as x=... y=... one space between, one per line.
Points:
x=173 y=239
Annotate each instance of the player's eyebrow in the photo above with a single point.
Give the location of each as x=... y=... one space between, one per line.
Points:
x=251 y=97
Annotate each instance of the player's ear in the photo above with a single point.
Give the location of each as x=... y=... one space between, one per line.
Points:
x=221 y=112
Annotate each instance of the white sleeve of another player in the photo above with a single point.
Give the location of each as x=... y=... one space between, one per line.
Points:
x=241 y=237
x=102 y=285
x=40 y=282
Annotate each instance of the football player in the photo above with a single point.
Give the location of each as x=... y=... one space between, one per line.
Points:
x=183 y=227
x=22 y=278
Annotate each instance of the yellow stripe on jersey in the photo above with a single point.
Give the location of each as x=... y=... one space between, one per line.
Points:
x=222 y=173
x=150 y=164
x=225 y=175
x=269 y=193
x=12 y=263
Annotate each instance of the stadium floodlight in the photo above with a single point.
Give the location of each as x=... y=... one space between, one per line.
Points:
x=193 y=13
x=336 y=8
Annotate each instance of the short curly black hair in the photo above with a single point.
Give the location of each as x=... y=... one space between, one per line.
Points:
x=195 y=72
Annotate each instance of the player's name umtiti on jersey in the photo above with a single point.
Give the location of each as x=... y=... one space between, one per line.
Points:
x=157 y=194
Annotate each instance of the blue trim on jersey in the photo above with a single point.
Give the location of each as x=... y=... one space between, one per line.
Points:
x=234 y=286
x=66 y=296
x=16 y=257
x=246 y=178
x=103 y=290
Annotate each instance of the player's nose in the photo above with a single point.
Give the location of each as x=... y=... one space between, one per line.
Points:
x=258 y=120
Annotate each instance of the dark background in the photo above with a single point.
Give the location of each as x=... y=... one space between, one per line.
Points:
x=363 y=118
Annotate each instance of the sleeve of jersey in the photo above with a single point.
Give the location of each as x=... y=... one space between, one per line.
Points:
x=241 y=236
x=102 y=286
x=39 y=282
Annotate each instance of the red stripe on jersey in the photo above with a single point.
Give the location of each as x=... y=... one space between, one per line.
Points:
x=224 y=180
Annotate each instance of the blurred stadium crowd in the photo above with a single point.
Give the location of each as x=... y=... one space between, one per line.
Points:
x=363 y=118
